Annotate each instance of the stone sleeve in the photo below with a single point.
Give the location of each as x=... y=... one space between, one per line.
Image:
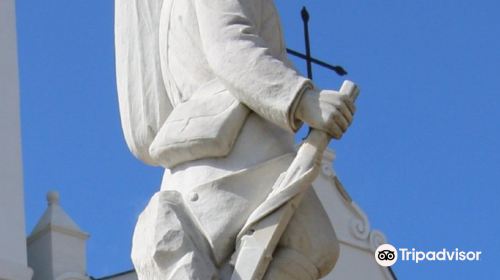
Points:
x=243 y=62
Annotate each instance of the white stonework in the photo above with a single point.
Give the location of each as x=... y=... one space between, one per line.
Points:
x=357 y=240
x=13 y=265
x=206 y=90
x=57 y=246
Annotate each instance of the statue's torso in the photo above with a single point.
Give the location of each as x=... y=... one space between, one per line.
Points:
x=186 y=69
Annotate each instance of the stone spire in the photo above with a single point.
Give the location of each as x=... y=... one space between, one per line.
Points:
x=57 y=246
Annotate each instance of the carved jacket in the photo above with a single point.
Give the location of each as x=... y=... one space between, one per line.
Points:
x=172 y=53
x=168 y=51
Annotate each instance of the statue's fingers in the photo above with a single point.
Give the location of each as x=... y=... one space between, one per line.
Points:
x=335 y=131
x=341 y=122
x=350 y=105
x=346 y=113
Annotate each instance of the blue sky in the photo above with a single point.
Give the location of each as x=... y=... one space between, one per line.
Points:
x=422 y=157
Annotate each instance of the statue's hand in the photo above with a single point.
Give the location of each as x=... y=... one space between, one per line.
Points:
x=327 y=110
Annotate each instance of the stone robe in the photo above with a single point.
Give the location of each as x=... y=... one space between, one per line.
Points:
x=188 y=229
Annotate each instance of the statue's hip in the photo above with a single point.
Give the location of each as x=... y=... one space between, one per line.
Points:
x=202 y=221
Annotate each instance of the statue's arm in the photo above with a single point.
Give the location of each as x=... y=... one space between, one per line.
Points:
x=243 y=62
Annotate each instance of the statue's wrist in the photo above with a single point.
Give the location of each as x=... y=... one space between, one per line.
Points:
x=308 y=101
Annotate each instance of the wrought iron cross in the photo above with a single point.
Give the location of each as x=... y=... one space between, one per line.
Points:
x=307 y=56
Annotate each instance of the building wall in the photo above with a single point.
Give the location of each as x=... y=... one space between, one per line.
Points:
x=68 y=254
x=39 y=257
x=357 y=239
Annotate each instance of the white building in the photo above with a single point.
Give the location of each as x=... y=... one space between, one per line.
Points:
x=56 y=247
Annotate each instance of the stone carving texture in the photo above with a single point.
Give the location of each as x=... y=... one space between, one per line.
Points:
x=207 y=92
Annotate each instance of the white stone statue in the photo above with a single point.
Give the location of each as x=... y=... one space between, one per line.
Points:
x=207 y=92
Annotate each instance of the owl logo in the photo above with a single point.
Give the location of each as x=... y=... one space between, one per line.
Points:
x=386 y=255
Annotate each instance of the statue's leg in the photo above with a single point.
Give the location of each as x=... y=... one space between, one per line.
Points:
x=167 y=245
x=309 y=249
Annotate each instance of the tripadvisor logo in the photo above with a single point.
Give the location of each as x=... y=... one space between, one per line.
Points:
x=387 y=255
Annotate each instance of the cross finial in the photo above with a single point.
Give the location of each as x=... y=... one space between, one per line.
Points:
x=307 y=56
x=305 y=14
